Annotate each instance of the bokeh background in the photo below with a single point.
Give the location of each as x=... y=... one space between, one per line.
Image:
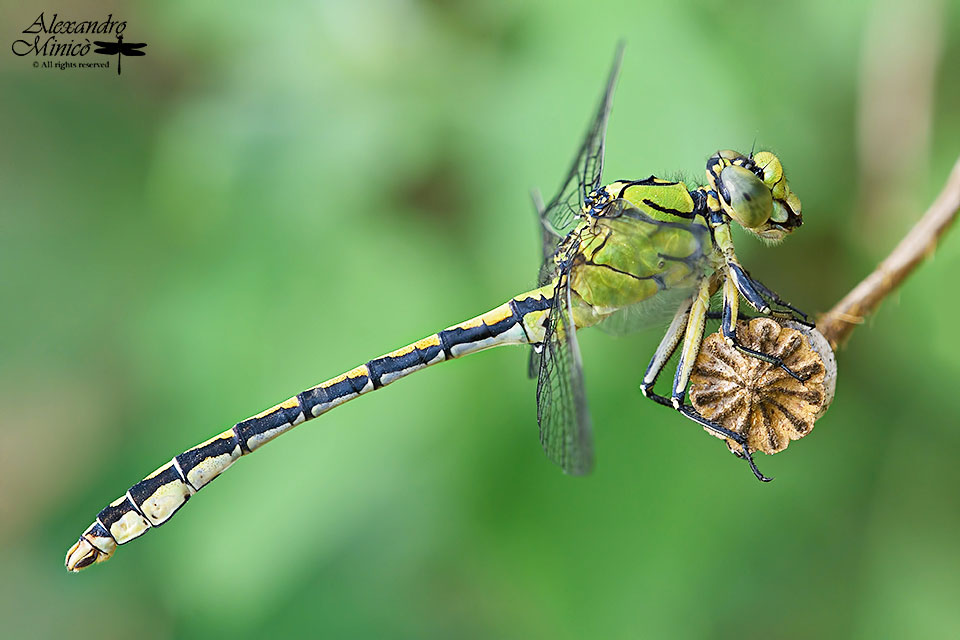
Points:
x=274 y=194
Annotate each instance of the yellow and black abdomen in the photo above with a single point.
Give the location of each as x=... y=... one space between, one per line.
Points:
x=153 y=501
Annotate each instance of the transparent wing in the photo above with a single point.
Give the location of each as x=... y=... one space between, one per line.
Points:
x=548 y=242
x=548 y=269
x=558 y=217
x=655 y=311
x=673 y=253
x=565 y=430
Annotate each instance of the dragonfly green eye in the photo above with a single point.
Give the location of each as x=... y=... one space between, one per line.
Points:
x=786 y=215
x=749 y=199
x=772 y=171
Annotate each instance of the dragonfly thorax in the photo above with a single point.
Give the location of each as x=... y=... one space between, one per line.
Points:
x=596 y=201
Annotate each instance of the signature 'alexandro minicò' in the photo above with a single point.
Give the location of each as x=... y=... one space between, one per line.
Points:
x=608 y=252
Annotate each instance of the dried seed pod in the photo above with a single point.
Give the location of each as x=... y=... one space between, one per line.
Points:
x=821 y=345
x=757 y=399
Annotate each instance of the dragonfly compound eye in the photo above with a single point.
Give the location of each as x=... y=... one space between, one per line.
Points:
x=772 y=173
x=786 y=215
x=749 y=200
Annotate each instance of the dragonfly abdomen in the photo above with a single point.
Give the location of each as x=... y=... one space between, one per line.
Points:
x=153 y=501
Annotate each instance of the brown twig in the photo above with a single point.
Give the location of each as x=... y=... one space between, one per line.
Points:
x=837 y=324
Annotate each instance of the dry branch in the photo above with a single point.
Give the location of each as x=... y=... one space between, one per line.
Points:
x=837 y=324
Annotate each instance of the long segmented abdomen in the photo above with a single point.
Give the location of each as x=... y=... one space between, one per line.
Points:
x=153 y=501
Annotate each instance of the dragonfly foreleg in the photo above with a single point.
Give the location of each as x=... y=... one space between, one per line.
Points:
x=771 y=295
x=761 y=297
x=745 y=286
x=751 y=290
x=728 y=327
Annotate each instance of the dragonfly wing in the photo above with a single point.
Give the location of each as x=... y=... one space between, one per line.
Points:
x=655 y=311
x=595 y=143
x=585 y=172
x=548 y=241
x=548 y=269
x=559 y=216
x=109 y=48
x=533 y=365
x=565 y=430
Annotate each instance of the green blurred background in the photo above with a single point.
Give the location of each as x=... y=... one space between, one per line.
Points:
x=276 y=194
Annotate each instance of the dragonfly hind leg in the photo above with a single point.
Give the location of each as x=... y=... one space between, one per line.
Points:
x=687 y=325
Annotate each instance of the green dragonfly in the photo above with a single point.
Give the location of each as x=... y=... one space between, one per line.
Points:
x=608 y=252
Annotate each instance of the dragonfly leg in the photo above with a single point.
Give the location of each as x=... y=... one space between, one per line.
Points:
x=761 y=297
x=730 y=312
x=776 y=299
x=689 y=412
x=744 y=285
x=692 y=339
x=665 y=350
x=688 y=324
x=728 y=327
x=735 y=272
x=751 y=290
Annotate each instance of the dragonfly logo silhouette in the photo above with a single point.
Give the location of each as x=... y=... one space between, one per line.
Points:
x=120 y=49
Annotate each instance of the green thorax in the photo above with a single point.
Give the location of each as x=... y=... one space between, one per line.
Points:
x=623 y=260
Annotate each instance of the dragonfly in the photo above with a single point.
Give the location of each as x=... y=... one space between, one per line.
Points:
x=120 y=49
x=609 y=250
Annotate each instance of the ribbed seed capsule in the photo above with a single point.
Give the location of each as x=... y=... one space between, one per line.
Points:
x=756 y=398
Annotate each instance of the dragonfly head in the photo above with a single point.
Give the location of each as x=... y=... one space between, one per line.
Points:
x=754 y=192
